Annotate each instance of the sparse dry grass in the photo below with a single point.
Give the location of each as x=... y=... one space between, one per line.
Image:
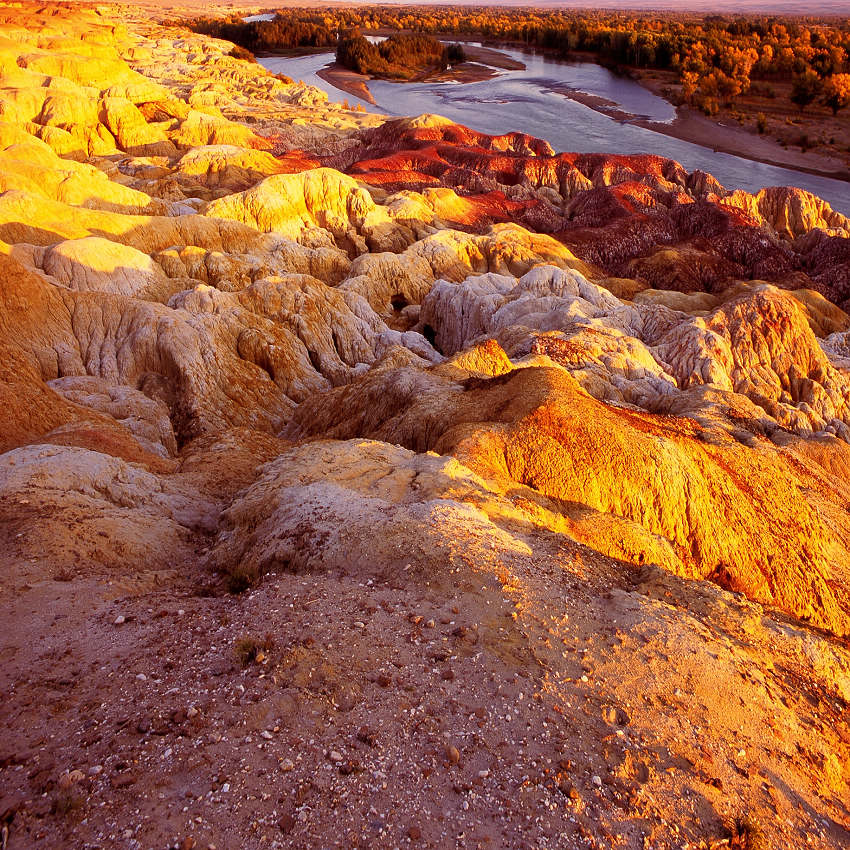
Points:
x=251 y=649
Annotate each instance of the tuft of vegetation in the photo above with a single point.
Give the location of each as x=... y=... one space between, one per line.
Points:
x=241 y=578
x=66 y=801
x=745 y=833
x=249 y=648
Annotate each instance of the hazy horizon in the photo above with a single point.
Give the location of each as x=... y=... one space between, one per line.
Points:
x=787 y=7
x=830 y=8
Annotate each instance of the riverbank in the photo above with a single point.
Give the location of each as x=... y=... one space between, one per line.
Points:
x=691 y=126
x=727 y=134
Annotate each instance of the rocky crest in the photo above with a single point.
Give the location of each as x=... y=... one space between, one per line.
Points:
x=527 y=473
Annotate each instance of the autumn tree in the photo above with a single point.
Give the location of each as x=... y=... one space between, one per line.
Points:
x=836 y=92
x=805 y=88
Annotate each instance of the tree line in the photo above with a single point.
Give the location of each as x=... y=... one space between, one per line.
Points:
x=716 y=58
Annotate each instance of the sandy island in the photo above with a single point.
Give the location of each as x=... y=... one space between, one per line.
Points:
x=348 y=81
x=483 y=63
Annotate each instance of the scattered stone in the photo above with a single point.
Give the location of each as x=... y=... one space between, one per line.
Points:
x=122 y=780
x=452 y=754
x=120 y=620
x=367 y=736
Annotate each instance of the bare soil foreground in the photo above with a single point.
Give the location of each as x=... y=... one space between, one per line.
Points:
x=381 y=483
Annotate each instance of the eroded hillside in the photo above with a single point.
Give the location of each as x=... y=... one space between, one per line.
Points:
x=382 y=483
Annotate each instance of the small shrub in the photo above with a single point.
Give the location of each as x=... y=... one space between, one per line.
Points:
x=66 y=800
x=241 y=578
x=761 y=122
x=250 y=648
x=744 y=833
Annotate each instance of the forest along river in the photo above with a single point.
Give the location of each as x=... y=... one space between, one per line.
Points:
x=528 y=101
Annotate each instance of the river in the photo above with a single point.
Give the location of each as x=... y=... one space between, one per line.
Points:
x=527 y=101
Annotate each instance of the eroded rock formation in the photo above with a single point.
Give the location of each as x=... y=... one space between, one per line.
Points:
x=507 y=445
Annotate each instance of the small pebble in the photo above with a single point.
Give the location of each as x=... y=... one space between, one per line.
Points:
x=120 y=620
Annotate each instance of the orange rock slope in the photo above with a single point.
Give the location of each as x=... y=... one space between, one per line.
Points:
x=378 y=482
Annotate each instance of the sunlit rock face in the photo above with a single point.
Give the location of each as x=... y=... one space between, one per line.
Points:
x=634 y=216
x=572 y=430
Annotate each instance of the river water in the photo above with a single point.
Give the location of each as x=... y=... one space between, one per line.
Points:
x=528 y=101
